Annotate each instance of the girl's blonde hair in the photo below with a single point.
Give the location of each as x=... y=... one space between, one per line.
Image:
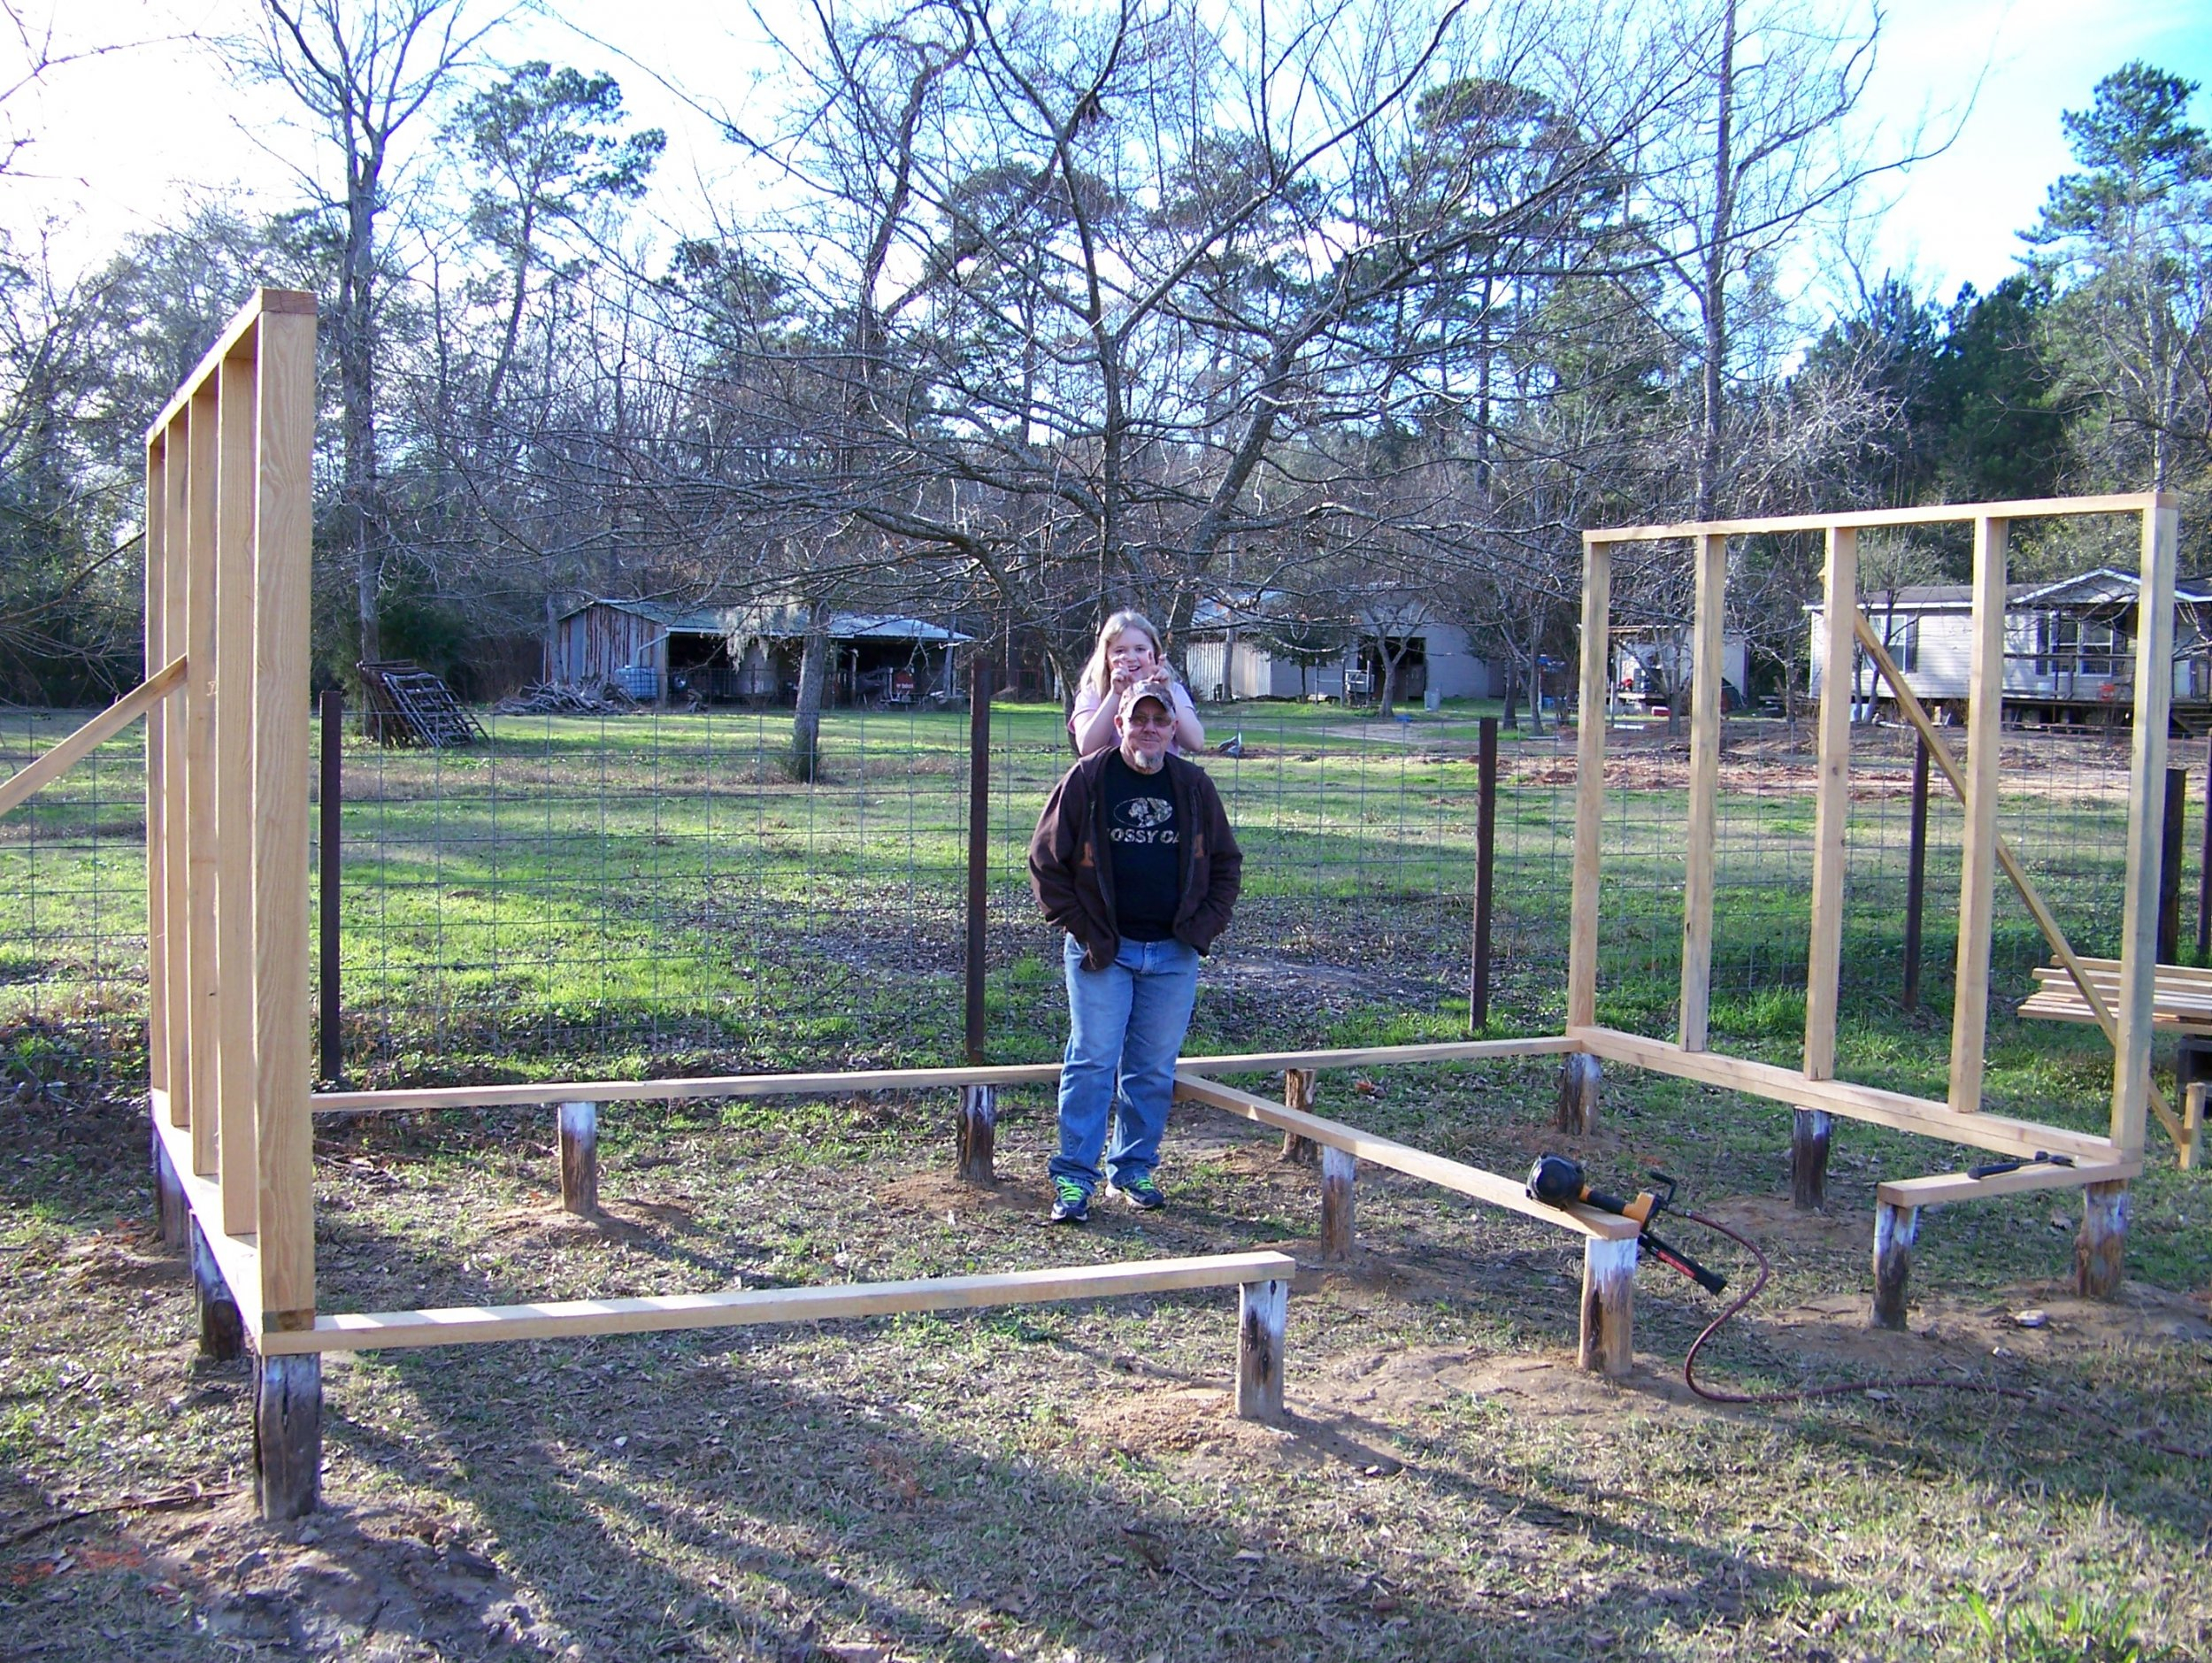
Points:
x=1098 y=675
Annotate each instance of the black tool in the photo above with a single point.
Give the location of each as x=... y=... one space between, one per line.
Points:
x=1558 y=1181
x=2041 y=1158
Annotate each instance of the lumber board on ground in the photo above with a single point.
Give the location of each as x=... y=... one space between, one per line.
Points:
x=2065 y=1004
x=1471 y=1181
x=567 y=1318
x=1937 y=1191
x=519 y=1096
x=2184 y=978
x=1999 y=1133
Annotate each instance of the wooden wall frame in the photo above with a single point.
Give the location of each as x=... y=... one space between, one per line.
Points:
x=228 y=570
x=1960 y=1117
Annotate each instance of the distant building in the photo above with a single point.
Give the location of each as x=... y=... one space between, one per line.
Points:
x=1256 y=650
x=664 y=654
x=2070 y=648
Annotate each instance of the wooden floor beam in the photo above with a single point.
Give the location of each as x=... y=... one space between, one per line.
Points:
x=574 y=1319
x=1471 y=1181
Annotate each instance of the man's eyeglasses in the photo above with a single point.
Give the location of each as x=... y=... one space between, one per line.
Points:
x=1139 y=718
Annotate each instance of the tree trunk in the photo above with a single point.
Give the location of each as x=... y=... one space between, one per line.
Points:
x=1714 y=301
x=806 y=719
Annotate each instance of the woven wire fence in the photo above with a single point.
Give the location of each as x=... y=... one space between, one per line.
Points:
x=653 y=893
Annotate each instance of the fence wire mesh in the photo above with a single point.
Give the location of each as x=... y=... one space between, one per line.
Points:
x=653 y=893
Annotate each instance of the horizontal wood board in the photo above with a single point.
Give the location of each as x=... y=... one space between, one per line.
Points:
x=1471 y=1181
x=1958 y=1186
x=518 y=1096
x=1996 y=1132
x=569 y=1318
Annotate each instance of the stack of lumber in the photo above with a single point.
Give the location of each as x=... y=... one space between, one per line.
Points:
x=2182 y=1002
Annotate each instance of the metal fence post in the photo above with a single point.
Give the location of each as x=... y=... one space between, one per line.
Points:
x=1485 y=862
x=334 y=715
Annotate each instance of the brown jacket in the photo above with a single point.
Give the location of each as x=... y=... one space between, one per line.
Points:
x=1073 y=877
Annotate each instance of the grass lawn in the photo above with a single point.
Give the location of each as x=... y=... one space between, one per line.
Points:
x=1066 y=1481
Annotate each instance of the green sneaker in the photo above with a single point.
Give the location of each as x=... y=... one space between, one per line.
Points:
x=1071 y=1202
x=1140 y=1193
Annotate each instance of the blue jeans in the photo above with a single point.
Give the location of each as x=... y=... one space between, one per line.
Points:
x=1125 y=1027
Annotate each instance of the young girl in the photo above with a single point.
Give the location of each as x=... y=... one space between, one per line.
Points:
x=1128 y=651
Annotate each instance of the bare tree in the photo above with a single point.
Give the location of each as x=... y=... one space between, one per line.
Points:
x=362 y=69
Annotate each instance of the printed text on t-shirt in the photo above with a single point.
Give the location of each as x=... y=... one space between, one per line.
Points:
x=1144 y=820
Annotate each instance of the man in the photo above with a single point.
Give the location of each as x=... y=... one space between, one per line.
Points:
x=1135 y=859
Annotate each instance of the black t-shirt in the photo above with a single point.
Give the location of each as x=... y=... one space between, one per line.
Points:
x=1146 y=847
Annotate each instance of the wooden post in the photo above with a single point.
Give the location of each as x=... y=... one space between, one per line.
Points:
x=2154 y=704
x=1577 y=1114
x=979 y=1132
x=1263 y=1312
x=222 y=1330
x=288 y=1435
x=157 y=717
x=1298 y=1093
x=978 y=843
x=171 y=1214
x=237 y=1076
x=2192 y=1126
x=2170 y=866
x=1485 y=863
x=203 y=1010
x=284 y=433
x=2204 y=870
x=1810 y=1128
x=1339 y=1173
x=1582 y=942
x=1916 y=872
x=330 y=810
x=1608 y=1305
x=1810 y=1134
x=2100 y=1244
x=1895 y=1230
x=176 y=630
x=580 y=1156
x=1697 y=854
x=1977 y=865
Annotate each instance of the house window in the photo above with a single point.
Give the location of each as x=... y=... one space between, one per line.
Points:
x=2081 y=646
x=1907 y=650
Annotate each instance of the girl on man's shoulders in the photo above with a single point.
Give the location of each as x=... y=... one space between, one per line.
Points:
x=1128 y=653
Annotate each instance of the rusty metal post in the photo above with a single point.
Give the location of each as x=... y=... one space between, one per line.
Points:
x=333 y=709
x=1485 y=861
x=978 y=843
x=1916 y=874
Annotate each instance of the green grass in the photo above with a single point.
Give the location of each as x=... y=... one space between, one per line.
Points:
x=651 y=894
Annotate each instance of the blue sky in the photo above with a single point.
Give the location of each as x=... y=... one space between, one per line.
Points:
x=121 y=142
